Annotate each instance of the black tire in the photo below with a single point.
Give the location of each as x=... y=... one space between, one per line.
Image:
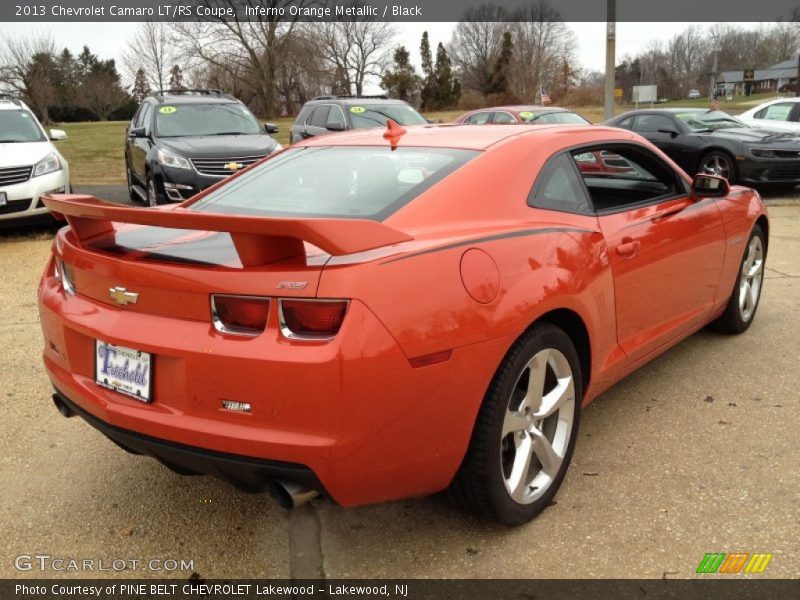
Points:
x=154 y=195
x=480 y=483
x=720 y=158
x=736 y=319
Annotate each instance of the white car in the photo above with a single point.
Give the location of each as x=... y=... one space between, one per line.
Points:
x=780 y=115
x=30 y=165
x=693 y=94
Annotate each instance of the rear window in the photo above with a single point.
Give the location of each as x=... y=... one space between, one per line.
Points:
x=363 y=116
x=335 y=181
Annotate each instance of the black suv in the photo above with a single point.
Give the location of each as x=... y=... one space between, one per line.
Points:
x=328 y=114
x=182 y=141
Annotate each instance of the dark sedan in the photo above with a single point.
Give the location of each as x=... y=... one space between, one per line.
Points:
x=715 y=142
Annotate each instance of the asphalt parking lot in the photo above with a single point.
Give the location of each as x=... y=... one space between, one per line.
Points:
x=697 y=452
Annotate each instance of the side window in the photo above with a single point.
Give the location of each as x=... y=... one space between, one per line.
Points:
x=652 y=123
x=336 y=118
x=776 y=112
x=503 y=118
x=626 y=123
x=558 y=187
x=795 y=113
x=137 y=114
x=480 y=118
x=144 y=116
x=625 y=176
x=319 y=118
x=302 y=118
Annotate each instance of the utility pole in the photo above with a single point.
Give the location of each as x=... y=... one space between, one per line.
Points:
x=797 y=81
x=611 y=35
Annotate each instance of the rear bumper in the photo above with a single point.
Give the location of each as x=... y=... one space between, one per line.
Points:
x=352 y=411
x=246 y=473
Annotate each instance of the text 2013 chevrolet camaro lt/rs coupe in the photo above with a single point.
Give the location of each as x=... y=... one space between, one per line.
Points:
x=384 y=314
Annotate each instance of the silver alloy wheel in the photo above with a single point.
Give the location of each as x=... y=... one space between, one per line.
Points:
x=717 y=164
x=751 y=278
x=537 y=426
x=152 y=199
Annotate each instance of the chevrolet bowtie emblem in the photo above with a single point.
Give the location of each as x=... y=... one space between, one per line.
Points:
x=233 y=166
x=122 y=296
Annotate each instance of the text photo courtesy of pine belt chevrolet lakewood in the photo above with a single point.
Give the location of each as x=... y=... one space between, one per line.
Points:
x=30 y=164
x=368 y=316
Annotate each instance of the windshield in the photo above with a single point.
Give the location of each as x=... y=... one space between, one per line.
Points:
x=374 y=115
x=711 y=120
x=334 y=181
x=19 y=126
x=553 y=118
x=179 y=120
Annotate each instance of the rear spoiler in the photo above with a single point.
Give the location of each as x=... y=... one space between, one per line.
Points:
x=258 y=240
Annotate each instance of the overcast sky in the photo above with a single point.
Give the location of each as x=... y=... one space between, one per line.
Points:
x=108 y=39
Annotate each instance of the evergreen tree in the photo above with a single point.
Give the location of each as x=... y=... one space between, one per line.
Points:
x=499 y=78
x=176 y=78
x=428 y=80
x=444 y=96
x=402 y=81
x=140 y=87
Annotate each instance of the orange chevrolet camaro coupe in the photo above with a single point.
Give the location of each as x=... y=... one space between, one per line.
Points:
x=383 y=314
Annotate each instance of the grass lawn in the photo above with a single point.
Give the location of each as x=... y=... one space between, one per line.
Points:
x=95 y=151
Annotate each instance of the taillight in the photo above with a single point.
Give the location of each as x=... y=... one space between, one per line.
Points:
x=244 y=315
x=64 y=276
x=311 y=319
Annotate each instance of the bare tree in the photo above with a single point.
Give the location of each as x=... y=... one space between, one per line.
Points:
x=102 y=94
x=543 y=44
x=252 y=48
x=26 y=66
x=475 y=46
x=355 y=50
x=151 y=49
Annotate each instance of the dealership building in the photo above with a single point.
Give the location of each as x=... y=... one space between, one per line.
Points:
x=771 y=79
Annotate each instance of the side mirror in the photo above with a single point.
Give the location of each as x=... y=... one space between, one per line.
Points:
x=709 y=186
x=336 y=127
x=137 y=132
x=58 y=134
x=270 y=128
x=672 y=132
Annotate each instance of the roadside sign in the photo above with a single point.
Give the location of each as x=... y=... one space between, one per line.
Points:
x=617 y=92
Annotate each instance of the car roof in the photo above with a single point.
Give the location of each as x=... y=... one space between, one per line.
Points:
x=450 y=135
x=12 y=104
x=355 y=100
x=524 y=107
x=186 y=99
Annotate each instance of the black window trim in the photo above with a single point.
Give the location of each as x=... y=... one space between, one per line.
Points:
x=531 y=200
x=599 y=146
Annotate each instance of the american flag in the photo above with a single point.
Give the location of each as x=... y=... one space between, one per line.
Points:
x=714 y=103
x=545 y=96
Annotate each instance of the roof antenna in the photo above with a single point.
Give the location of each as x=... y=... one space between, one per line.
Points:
x=393 y=132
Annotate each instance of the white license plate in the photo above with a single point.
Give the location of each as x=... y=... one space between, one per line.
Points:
x=3 y=199
x=124 y=370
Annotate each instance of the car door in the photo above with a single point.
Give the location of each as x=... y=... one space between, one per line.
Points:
x=665 y=248
x=138 y=147
x=663 y=131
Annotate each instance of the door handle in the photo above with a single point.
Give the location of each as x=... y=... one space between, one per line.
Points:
x=628 y=248
x=667 y=214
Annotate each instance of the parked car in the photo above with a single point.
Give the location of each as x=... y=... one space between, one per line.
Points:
x=525 y=114
x=30 y=165
x=712 y=141
x=332 y=114
x=693 y=94
x=182 y=141
x=780 y=114
x=380 y=319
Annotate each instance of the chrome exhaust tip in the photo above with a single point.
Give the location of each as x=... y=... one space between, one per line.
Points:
x=65 y=410
x=289 y=495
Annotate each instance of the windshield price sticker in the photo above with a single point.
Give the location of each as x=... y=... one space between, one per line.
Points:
x=357 y=110
x=167 y=110
x=526 y=114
